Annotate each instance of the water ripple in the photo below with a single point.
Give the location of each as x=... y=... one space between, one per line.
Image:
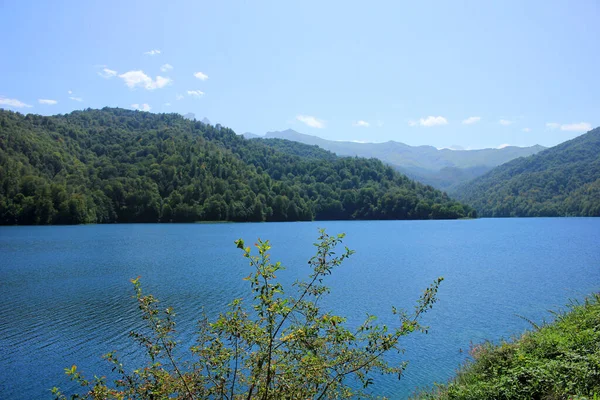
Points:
x=65 y=296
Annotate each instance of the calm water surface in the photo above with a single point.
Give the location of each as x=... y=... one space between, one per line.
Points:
x=65 y=296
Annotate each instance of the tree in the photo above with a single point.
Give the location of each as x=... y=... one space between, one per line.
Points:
x=283 y=347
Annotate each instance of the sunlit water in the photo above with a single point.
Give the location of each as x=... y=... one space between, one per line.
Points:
x=65 y=296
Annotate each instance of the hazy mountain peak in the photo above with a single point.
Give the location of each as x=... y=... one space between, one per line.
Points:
x=438 y=167
x=249 y=135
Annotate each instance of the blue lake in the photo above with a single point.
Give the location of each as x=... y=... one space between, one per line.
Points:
x=65 y=295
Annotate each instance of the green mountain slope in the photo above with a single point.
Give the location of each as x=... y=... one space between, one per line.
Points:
x=447 y=178
x=561 y=181
x=115 y=165
x=443 y=168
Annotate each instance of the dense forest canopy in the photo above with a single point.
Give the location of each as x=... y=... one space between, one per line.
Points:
x=561 y=181
x=116 y=165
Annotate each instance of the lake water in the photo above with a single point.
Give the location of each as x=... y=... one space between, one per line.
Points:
x=65 y=296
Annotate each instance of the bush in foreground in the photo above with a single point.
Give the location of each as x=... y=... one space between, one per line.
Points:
x=560 y=360
x=284 y=347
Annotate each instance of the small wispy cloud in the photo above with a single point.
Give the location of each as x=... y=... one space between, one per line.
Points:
x=107 y=73
x=429 y=121
x=69 y=91
x=13 y=103
x=311 y=121
x=379 y=124
x=74 y=98
x=577 y=127
x=167 y=104
x=141 y=107
x=202 y=76
x=503 y=146
x=179 y=97
x=526 y=129
x=505 y=122
x=47 y=102
x=361 y=123
x=166 y=67
x=152 y=52
x=195 y=93
x=471 y=120
x=138 y=78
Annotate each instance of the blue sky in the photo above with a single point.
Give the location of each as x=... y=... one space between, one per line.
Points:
x=476 y=74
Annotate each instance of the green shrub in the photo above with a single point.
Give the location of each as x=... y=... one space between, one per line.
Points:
x=560 y=360
x=284 y=347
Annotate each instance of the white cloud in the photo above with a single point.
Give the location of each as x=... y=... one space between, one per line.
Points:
x=13 y=103
x=167 y=104
x=503 y=146
x=179 y=97
x=166 y=67
x=107 y=73
x=579 y=127
x=429 y=121
x=152 y=52
x=362 y=123
x=142 y=107
x=47 y=101
x=471 y=120
x=139 y=78
x=201 y=76
x=576 y=127
x=74 y=98
x=161 y=82
x=433 y=121
x=311 y=121
x=505 y=122
x=195 y=93
x=526 y=129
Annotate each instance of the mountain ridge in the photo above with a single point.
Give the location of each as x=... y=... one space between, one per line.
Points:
x=441 y=168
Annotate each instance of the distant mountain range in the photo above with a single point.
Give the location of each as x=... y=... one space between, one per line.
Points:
x=249 y=135
x=192 y=117
x=561 y=181
x=442 y=168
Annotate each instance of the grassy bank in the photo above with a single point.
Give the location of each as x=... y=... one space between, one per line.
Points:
x=560 y=360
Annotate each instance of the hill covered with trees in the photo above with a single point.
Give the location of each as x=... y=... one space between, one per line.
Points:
x=561 y=181
x=443 y=169
x=116 y=165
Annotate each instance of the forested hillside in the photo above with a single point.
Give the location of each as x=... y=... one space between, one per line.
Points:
x=413 y=157
x=561 y=181
x=443 y=169
x=447 y=178
x=115 y=165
